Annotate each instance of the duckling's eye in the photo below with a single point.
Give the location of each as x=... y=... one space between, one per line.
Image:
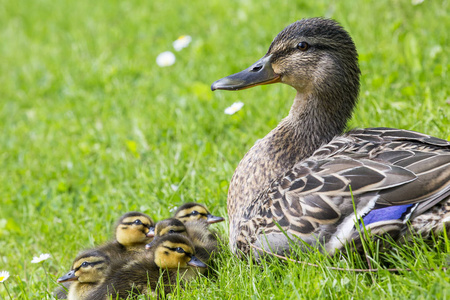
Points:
x=303 y=46
x=179 y=250
x=194 y=213
x=138 y=222
x=84 y=264
x=171 y=231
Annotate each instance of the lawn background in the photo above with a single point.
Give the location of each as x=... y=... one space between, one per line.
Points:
x=92 y=128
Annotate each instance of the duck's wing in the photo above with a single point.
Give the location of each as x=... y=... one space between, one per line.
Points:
x=426 y=156
x=380 y=176
x=368 y=139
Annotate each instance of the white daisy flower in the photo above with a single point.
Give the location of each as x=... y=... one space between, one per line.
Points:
x=235 y=107
x=3 y=276
x=41 y=257
x=165 y=59
x=182 y=42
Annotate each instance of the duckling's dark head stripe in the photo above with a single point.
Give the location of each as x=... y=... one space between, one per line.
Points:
x=175 y=249
x=133 y=214
x=174 y=238
x=134 y=223
x=91 y=253
x=188 y=206
x=94 y=263
x=193 y=213
x=170 y=222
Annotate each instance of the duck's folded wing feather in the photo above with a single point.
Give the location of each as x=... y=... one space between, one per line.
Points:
x=322 y=191
x=431 y=186
x=393 y=134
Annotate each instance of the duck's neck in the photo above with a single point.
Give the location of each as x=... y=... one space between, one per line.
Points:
x=313 y=121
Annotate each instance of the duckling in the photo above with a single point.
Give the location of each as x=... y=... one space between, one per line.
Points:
x=204 y=241
x=169 y=259
x=130 y=238
x=88 y=272
x=197 y=218
x=195 y=211
x=130 y=235
x=307 y=174
x=167 y=226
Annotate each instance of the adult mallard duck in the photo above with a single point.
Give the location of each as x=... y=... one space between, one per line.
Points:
x=302 y=175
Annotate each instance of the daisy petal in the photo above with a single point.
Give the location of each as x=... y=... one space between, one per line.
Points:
x=235 y=107
x=165 y=59
x=182 y=42
x=4 y=275
x=41 y=257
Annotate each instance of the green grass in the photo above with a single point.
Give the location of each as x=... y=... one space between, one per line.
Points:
x=92 y=128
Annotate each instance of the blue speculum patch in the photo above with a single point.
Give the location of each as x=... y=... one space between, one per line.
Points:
x=388 y=213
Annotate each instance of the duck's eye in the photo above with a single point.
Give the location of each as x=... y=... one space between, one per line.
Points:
x=171 y=231
x=194 y=213
x=179 y=250
x=138 y=222
x=303 y=46
x=84 y=264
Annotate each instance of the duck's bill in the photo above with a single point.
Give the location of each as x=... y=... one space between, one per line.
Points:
x=149 y=245
x=70 y=276
x=259 y=73
x=151 y=232
x=195 y=262
x=210 y=219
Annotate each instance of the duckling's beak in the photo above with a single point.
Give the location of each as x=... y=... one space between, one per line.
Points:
x=210 y=219
x=149 y=245
x=195 y=262
x=259 y=73
x=70 y=276
x=151 y=232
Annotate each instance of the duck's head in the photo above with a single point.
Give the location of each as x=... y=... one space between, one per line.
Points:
x=88 y=267
x=132 y=228
x=315 y=56
x=167 y=226
x=174 y=251
x=193 y=212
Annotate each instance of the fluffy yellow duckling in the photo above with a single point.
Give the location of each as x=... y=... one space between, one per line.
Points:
x=204 y=241
x=88 y=272
x=130 y=235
